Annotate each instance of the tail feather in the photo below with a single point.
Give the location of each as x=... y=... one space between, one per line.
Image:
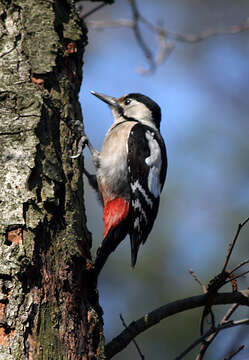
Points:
x=109 y=244
x=134 y=250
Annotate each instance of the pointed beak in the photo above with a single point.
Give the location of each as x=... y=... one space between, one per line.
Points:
x=107 y=99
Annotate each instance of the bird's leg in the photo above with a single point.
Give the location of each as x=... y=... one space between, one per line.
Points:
x=81 y=145
x=85 y=141
x=82 y=138
x=95 y=153
x=92 y=179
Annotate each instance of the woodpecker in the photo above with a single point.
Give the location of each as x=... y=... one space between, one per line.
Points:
x=130 y=172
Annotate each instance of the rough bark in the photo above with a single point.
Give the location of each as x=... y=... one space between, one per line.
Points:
x=48 y=303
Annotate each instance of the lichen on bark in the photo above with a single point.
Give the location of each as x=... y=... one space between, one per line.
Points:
x=48 y=304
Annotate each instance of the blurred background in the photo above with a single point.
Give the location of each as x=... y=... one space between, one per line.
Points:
x=203 y=91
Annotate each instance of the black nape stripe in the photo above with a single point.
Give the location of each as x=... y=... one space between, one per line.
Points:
x=126 y=119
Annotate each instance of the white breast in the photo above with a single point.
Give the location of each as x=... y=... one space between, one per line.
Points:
x=112 y=173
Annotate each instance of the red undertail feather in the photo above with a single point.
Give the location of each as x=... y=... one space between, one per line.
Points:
x=115 y=211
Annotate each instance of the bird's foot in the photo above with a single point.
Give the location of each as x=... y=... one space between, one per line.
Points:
x=83 y=139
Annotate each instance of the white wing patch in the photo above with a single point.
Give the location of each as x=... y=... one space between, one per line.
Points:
x=137 y=205
x=136 y=186
x=137 y=224
x=154 y=161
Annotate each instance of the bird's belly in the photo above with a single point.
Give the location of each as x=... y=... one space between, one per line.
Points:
x=112 y=173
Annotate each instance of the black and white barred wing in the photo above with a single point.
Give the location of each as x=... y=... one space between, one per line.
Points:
x=147 y=165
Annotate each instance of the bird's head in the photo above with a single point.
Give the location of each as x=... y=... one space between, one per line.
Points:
x=133 y=106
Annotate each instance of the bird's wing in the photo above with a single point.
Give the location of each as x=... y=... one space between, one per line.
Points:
x=147 y=166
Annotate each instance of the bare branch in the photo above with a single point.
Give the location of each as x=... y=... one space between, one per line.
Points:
x=165 y=48
x=187 y=38
x=240 y=265
x=195 y=38
x=192 y=273
x=133 y=340
x=210 y=339
x=221 y=279
x=140 y=40
x=98 y=7
x=154 y=317
x=104 y=24
x=224 y=326
x=235 y=352
x=237 y=277
x=231 y=246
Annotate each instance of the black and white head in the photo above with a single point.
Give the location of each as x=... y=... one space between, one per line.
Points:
x=133 y=106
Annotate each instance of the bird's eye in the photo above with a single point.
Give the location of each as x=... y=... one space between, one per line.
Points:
x=127 y=101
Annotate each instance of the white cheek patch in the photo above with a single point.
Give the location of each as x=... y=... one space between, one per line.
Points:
x=154 y=161
x=140 y=112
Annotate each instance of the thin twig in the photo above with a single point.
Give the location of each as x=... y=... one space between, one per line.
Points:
x=134 y=341
x=84 y=16
x=239 y=265
x=140 y=40
x=236 y=277
x=195 y=38
x=231 y=246
x=221 y=279
x=210 y=339
x=194 y=275
x=235 y=352
x=165 y=48
x=187 y=38
x=224 y=326
x=105 y=24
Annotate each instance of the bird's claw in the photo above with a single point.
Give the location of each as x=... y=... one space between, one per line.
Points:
x=82 y=142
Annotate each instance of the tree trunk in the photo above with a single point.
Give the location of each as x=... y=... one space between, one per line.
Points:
x=48 y=304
